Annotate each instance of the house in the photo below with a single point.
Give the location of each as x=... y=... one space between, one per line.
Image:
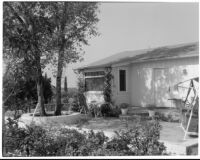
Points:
x=144 y=77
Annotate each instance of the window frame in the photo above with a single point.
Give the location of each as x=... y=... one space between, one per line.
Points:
x=93 y=77
x=126 y=89
x=96 y=76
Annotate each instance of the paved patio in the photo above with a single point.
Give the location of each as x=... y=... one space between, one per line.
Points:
x=171 y=133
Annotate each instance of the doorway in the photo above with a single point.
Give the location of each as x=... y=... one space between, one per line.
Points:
x=161 y=87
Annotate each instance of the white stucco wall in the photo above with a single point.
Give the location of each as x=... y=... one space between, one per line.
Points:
x=144 y=77
x=149 y=82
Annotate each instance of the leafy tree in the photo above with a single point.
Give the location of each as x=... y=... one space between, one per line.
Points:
x=26 y=92
x=47 y=89
x=75 y=23
x=26 y=31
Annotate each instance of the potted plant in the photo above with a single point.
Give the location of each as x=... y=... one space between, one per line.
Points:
x=151 y=110
x=124 y=108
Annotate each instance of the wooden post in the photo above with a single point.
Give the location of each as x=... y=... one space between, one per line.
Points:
x=188 y=124
x=35 y=110
x=3 y=133
x=191 y=112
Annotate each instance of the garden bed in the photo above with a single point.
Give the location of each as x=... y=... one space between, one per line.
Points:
x=68 y=118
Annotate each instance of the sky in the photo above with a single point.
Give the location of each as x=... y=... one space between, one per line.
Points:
x=132 y=26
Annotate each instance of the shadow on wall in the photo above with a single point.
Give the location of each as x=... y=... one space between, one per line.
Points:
x=155 y=86
x=145 y=90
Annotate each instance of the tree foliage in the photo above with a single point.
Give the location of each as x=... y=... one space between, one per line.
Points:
x=75 y=23
x=27 y=29
x=22 y=94
x=38 y=33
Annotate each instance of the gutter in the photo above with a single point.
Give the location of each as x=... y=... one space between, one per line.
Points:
x=115 y=64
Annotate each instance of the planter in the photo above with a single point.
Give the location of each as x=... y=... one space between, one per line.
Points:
x=68 y=119
x=124 y=111
x=151 y=113
x=124 y=108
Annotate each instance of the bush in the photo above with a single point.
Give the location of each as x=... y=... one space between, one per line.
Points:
x=151 y=107
x=75 y=106
x=140 y=140
x=13 y=136
x=124 y=105
x=168 y=117
x=115 y=112
x=94 y=110
x=105 y=109
x=37 y=141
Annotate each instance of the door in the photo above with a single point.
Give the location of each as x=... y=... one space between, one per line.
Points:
x=161 y=87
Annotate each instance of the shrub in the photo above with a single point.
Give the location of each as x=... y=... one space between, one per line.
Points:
x=65 y=99
x=116 y=111
x=37 y=141
x=68 y=142
x=29 y=141
x=13 y=136
x=106 y=109
x=94 y=141
x=94 y=110
x=150 y=107
x=140 y=140
x=168 y=117
x=124 y=105
x=75 y=106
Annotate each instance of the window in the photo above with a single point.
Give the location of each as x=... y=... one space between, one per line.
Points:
x=122 y=80
x=94 y=81
x=94 y=84
x=97 y=73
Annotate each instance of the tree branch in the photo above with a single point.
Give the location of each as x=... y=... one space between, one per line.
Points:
x=16 y=15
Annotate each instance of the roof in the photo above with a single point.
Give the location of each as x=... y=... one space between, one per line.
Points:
x=159 y=53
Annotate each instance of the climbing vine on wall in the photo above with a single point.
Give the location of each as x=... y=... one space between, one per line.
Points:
x=107 y=85
x=81 y=83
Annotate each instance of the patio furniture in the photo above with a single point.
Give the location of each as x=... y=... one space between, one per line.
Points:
x=126 y=118
x=96 y=107
x=82 y=104
x=94 y=98
x=179 y=104
x=189 y=119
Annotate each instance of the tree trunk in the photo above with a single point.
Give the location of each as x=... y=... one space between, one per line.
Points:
x=60 y=63
x=58 y=85
x=40 y=96
x=39 y=82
